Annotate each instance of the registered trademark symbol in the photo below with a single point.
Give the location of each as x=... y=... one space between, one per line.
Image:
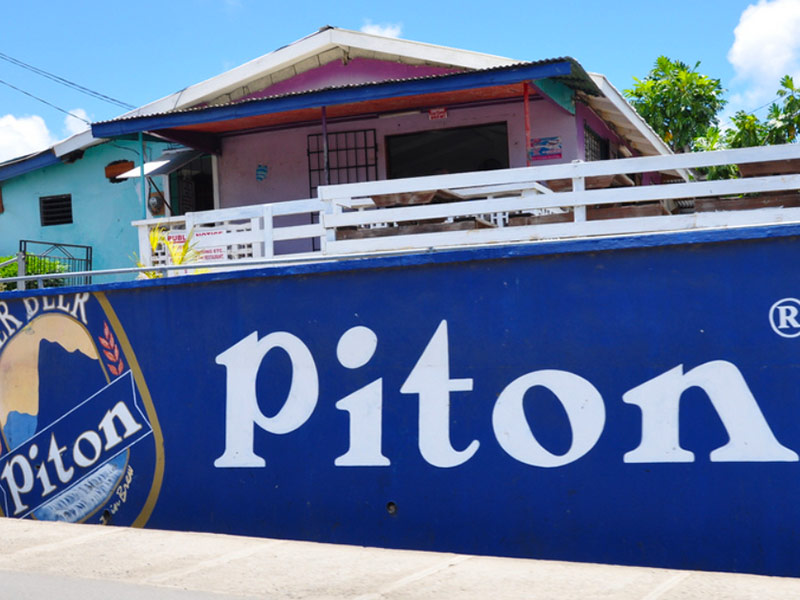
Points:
x=784 y=317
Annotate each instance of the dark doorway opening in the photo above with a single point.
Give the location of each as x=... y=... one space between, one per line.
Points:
x=191 y=188
x=455 y=150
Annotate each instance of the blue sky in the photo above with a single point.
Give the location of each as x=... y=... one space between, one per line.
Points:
x=138 y=52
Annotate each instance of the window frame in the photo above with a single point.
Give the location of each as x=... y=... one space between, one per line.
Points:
x=49 y=204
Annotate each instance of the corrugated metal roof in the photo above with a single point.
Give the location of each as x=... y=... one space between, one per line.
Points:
x=578 y=79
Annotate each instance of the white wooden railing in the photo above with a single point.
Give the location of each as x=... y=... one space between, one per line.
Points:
x=503 y=206
x=235 y=234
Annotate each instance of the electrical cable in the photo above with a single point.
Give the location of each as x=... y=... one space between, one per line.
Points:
x=50 y=104
x=66 y=82
x=773 y=101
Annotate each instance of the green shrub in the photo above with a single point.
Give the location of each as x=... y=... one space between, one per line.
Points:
x=39 y=266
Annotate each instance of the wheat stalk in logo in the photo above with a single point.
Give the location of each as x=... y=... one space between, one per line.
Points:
x=111 y=351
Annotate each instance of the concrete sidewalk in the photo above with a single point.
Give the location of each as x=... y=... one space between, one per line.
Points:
x=40 y=560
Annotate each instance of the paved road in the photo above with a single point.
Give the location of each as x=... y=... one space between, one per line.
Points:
x=86 y=562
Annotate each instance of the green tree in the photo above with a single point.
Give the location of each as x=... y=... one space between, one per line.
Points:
x=781 y=126
x=747 y=130
x=679 y=103
x=714 y=139
x=783 y=121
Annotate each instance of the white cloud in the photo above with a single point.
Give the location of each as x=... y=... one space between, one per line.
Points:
x=74 y=124
x=766 y=47
x=23 y=135
x=393 y=30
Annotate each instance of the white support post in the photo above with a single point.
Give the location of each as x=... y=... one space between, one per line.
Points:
x=145 y=252
x=189 y=223
x=266 y=218
x=579 y=185
x=331 y=207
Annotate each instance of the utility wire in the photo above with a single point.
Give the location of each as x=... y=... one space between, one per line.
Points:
x=66 y=82
x=771 y=102
x=50 y=104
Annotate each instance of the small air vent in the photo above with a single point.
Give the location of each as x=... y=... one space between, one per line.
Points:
x=55 y=210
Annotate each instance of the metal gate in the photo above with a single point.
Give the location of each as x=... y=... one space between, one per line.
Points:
x=52 y=258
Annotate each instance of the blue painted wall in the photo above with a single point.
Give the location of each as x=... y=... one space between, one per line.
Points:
x=238 y=396
x=101 y=211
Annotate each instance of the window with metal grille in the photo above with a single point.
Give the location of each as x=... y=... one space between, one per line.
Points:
x=352 y=157
x=55 y=210
x=597 y=148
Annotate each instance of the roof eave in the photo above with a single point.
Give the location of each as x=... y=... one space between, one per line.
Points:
x=21 y=166
x=335 y=96
x=622 y=106
x=79 y=141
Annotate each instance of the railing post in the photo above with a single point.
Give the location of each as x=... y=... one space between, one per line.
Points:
x=331 y=207
x=579 y=185
x=269 y=243
x=188 y=223
x=21 y=269
x=145 y=251
x=189 y=226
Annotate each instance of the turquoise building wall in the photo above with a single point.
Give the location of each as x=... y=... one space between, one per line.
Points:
x=101 y=211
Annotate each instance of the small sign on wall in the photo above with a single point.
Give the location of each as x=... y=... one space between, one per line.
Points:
x=261 y=172
x=545 y=148
x=435 y=114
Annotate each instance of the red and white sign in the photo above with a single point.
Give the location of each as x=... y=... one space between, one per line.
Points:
x=206 y=252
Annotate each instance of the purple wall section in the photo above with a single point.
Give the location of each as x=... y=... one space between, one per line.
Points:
x=586 y=116
x=358 y=70
x=285 y=152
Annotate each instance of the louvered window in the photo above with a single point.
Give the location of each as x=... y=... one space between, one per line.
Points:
x=55 y=210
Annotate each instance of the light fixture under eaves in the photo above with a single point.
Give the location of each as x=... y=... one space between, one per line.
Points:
x=400 y=114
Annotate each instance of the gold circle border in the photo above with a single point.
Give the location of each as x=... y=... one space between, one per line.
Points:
x=158 y=437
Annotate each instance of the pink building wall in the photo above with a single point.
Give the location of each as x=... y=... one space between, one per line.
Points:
x=284 y=153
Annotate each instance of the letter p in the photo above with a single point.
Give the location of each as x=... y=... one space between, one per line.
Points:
x=16 y=487
x=242 y=413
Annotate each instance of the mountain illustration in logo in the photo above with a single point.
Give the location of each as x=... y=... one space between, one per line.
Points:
x=48 y=369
